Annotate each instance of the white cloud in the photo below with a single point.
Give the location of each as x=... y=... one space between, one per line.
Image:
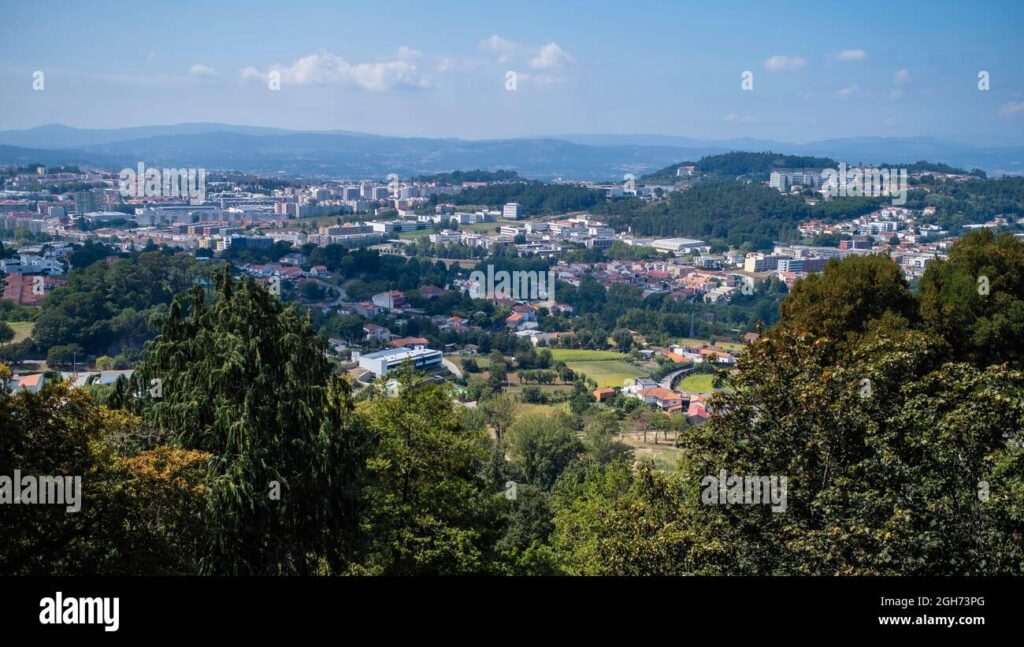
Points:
x=781 y=62
x=250 y=73
x=550 y=56
x=1011 y=108
x=503 y=47
x=848 y=92
x=325 y=68
x=901 y=77
x=202 y=70
x=851 y=55
x=735 y=118
x=406 y=53
x=496 y=43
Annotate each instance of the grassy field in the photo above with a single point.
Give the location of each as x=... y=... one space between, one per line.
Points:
x=547 y=389
x=665 y=456
x=581 y=355
x=607 y=372
x=419 y=233
x=485 y=227
x=701 y=383
x=550 y=410
x=481 y=360
x=22 y=329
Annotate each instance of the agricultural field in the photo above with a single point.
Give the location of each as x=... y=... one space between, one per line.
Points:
x=607 y=372
x=582 y=355
x=516 y=388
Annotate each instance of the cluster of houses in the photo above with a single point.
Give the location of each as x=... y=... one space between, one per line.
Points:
x=682 y=279
x=30 y=275
x=657 y=395
x=34 y=382
x=692 y=405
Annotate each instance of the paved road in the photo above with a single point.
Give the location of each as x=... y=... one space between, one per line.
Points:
x=450 y=365
x=342 y=297
x=666 y=382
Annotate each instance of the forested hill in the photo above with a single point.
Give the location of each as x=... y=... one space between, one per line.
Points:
x=758 y=166
x=730 y=212
x=753 y=166
x=476 y=175
x=537 y=198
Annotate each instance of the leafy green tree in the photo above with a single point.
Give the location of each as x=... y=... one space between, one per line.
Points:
x=85 y=255
x=542 y=447
x=65 y=355
x=843 y=302
x=975 y=299
x=429 y=511
x=524 y=544
x=499 y=412
x=884 y=458
x=247 y=380
x=6 y=332
x=498 y=369
x=622 y=519
x=138 y=512
x=601 y=437
x=623 y=340
x=581 y=399
x=106 y=307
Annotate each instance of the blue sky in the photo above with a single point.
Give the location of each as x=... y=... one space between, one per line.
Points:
x=820 y=69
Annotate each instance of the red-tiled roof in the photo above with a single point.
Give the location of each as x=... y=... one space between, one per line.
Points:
x=408 y=341
x=660 y=394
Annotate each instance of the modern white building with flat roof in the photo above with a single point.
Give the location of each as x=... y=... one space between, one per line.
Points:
x=678 y=245
x=381 y=362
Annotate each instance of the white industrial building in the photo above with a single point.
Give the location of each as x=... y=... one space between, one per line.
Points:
x=678 y=245
x=381 y=362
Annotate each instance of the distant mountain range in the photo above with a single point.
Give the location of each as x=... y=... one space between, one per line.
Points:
x=336 y=153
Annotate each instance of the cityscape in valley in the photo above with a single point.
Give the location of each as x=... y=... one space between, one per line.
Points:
x=294 y=237
x=239 y=335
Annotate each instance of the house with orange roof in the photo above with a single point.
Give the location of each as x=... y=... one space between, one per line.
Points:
x=697 y=411
x=717 y=355
x=29 y=290
x=675 y=357
x=31 y=383
x=661 y=397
